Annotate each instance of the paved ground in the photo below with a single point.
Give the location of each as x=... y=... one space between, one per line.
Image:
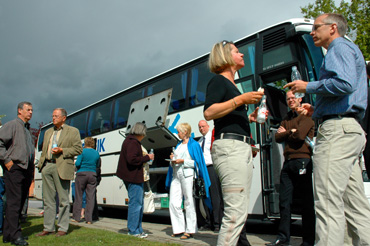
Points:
x=162 y=232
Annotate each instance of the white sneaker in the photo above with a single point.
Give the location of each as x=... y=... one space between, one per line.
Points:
x=141 y=235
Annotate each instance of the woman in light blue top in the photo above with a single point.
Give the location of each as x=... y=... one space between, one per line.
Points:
x=85 y=181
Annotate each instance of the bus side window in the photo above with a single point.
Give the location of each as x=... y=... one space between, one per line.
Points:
x=122 y=107
x=200 y=76
x=99 y=119
x=79 y=121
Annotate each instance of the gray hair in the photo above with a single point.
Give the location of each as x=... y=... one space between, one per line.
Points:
x=62 y=111
x=138 y=129
x=21 y=105
x=337 y=19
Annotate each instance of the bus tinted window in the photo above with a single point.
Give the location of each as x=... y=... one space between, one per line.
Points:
x=277 y=57
x=122 y=106
x=200 y=76
x=99 y=119
x=249 y=51
x=179 y=84
x=79 y=121
x=313 y=57
x=189 y=87
x=314 y=53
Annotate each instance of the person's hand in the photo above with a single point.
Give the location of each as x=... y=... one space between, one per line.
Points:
x=56 y=150
x=305 y=109
x=293 y=130
x=9 y=165
x=178 y=161
x=297 y=86
x=281 y=129
x=151 y=156
x=253 y=116
x=251 y=97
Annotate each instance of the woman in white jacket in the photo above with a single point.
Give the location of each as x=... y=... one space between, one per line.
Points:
x=180 y=177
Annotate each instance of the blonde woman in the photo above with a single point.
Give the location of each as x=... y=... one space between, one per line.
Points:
x=231 y=150
x=188 y=156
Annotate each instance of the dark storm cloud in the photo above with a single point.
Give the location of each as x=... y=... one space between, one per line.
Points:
x=73 y=53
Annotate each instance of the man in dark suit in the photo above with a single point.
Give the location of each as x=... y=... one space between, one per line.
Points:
x=17 y=160
x=62 y=143
x=365 y=125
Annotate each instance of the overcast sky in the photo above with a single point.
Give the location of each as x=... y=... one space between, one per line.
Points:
x=72 y=53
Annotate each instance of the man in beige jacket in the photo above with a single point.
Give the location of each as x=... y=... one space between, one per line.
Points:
x=61 y=144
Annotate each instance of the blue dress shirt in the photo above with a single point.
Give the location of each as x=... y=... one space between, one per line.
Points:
x=342 y=86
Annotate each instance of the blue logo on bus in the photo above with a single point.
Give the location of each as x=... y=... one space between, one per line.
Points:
x=100 y=145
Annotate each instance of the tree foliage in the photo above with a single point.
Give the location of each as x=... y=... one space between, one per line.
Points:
x=357 y=13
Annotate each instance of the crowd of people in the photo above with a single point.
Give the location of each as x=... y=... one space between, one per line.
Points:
x=335 y=210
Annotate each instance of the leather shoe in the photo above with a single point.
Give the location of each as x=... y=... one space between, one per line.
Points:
x=60 y=233
x=44 y=233
x=5 y=240
x=279 y=242
x=205 y=228
x=19 y=241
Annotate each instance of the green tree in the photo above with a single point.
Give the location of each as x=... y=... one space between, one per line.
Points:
x=357 y=13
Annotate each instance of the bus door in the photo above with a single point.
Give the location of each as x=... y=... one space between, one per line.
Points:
x=272 y=157
x=152 y=111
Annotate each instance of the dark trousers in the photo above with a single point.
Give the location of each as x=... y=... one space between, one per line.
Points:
x=291 y=180
x=17 y=183
x=214 y=218
x=85 y=181
x=2 y=190
x=243 y=241
x=95 y=215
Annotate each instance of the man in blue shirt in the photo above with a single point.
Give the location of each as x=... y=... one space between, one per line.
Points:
x=341 y=101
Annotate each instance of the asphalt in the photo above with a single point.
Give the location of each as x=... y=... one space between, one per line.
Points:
x=162 y=232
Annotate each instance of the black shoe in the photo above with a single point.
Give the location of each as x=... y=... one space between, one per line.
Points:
x=5 y=240
x=20 y=241
x=205 y=228
x=307 y=244
x=279 y=242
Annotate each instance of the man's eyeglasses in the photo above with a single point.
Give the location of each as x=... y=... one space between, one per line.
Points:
x=316 y=26
x=226 y=42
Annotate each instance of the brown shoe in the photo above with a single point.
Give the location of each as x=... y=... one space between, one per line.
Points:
x=60 y=233
x=44 y=233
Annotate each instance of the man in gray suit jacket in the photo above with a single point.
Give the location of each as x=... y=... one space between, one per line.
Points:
x=61 y=144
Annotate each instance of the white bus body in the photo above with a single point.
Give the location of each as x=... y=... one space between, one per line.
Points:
x=269 y=55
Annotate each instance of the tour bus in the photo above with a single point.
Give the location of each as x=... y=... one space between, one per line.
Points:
x=178 y=96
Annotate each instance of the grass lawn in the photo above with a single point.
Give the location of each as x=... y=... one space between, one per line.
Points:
x=79 y=236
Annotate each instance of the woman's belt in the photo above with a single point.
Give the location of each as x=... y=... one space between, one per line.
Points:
x=235 y=136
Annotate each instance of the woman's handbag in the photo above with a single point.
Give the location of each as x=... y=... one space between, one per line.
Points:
x=199 y=188
x=149 y=206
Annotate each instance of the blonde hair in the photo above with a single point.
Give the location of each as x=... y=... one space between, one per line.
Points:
x=220 y=57
x=184 y=127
